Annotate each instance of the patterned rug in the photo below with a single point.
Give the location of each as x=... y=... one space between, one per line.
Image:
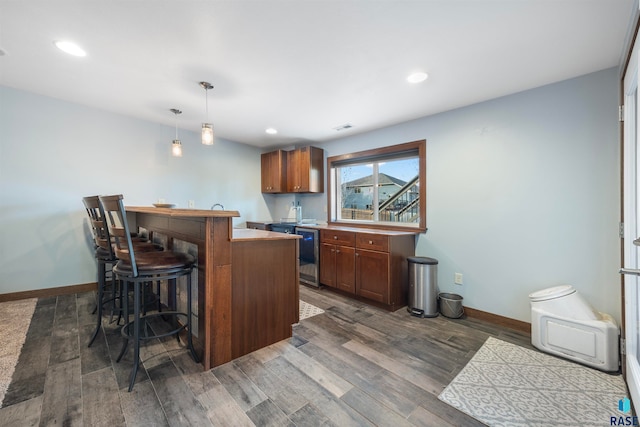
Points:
x=15 y=317
x=508 y=385
x=308 y=310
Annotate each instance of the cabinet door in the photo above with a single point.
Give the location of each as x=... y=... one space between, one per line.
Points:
x=346 y=269
x=305 y=170
x=273 y=171
x=372 y=275
x=295 y=171
x=328 y=265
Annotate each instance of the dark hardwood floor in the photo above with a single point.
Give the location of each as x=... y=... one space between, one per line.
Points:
x=354 y=365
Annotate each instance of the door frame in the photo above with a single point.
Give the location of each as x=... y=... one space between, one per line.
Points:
x=627 y=60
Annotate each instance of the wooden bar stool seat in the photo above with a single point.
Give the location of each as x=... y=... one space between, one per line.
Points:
x=136 y=267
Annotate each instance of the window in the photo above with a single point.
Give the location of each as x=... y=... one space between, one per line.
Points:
x=380 y=188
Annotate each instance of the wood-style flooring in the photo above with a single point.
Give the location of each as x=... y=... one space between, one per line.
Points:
x=354 y=365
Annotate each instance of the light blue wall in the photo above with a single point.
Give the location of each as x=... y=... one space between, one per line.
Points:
x=522 y=193
x=52 y=153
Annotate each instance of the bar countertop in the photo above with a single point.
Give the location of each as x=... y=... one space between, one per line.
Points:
x=185 y=213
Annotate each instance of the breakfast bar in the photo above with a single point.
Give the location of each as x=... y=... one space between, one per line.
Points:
x=247 y=280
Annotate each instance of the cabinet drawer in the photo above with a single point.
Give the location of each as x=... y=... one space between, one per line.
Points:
x=375 y=242
x=338 y=237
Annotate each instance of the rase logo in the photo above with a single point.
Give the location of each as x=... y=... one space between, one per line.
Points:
x=624 y=406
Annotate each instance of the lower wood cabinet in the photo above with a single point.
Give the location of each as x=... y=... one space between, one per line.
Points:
x=371 y=265
x=340 y=270
x=337 y=248
x=372 y=270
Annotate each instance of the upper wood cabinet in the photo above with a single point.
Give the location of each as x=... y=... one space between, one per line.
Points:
x=274 y=171
x=301 y=171
x=305 y=170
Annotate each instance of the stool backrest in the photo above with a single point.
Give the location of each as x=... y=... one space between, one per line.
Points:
x=101 y=236
x=116 y=219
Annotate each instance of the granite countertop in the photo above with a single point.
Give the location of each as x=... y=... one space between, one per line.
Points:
x=244 y=234
x=360 y=229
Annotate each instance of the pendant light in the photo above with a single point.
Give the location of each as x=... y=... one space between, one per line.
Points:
x=207 y=128
x=176 y=147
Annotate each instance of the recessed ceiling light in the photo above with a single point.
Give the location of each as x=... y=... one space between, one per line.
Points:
x=70 y=48
x=417 y=77
x=271 y=131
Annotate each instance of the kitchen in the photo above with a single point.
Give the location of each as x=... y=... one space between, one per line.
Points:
x=455 y=139
x=500 y=173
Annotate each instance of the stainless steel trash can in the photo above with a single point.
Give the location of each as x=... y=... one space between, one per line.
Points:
x=423 y=286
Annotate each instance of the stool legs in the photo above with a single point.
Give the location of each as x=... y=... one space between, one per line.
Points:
x=115 y=296
x=189 y=312
x=101 y=284
x=139 y=320
x=125 y=314
x=136 y=334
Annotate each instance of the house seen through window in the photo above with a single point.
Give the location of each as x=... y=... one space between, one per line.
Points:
x=379 y=187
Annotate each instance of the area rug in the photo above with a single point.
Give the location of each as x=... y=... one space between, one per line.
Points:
x=15 y=317
x=308 y=310
x=508 y=385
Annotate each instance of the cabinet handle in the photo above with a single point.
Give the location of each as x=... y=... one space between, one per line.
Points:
x=357 y=254
x=335 y=237
x=337 y=251
x=371 y=242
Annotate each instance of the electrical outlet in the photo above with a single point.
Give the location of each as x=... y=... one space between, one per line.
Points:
x=457 y=278
x=192 y=204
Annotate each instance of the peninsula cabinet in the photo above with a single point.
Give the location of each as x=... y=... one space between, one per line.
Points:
x=371 y=265
x=305 y=168
x=274 y=171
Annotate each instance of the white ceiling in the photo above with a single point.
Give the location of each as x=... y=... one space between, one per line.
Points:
x=302 y=66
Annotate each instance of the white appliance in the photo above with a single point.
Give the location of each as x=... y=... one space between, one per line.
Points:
x=564 y=324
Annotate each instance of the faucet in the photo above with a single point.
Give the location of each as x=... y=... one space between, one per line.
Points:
x=217 y=204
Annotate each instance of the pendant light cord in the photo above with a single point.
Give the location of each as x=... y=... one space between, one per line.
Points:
x=175 y=111
x=206 y=104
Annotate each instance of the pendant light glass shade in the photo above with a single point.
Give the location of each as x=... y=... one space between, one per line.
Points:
x=176 y=146
x=207 y=128
x=207 y=134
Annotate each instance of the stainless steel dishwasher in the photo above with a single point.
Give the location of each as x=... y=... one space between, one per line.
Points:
x=309 y=256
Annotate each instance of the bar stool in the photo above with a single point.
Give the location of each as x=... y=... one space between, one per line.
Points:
x=108 y=290
x=104 y=255
x=138 y=267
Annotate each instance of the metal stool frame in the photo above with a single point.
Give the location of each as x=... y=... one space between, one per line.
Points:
x=138 y=268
